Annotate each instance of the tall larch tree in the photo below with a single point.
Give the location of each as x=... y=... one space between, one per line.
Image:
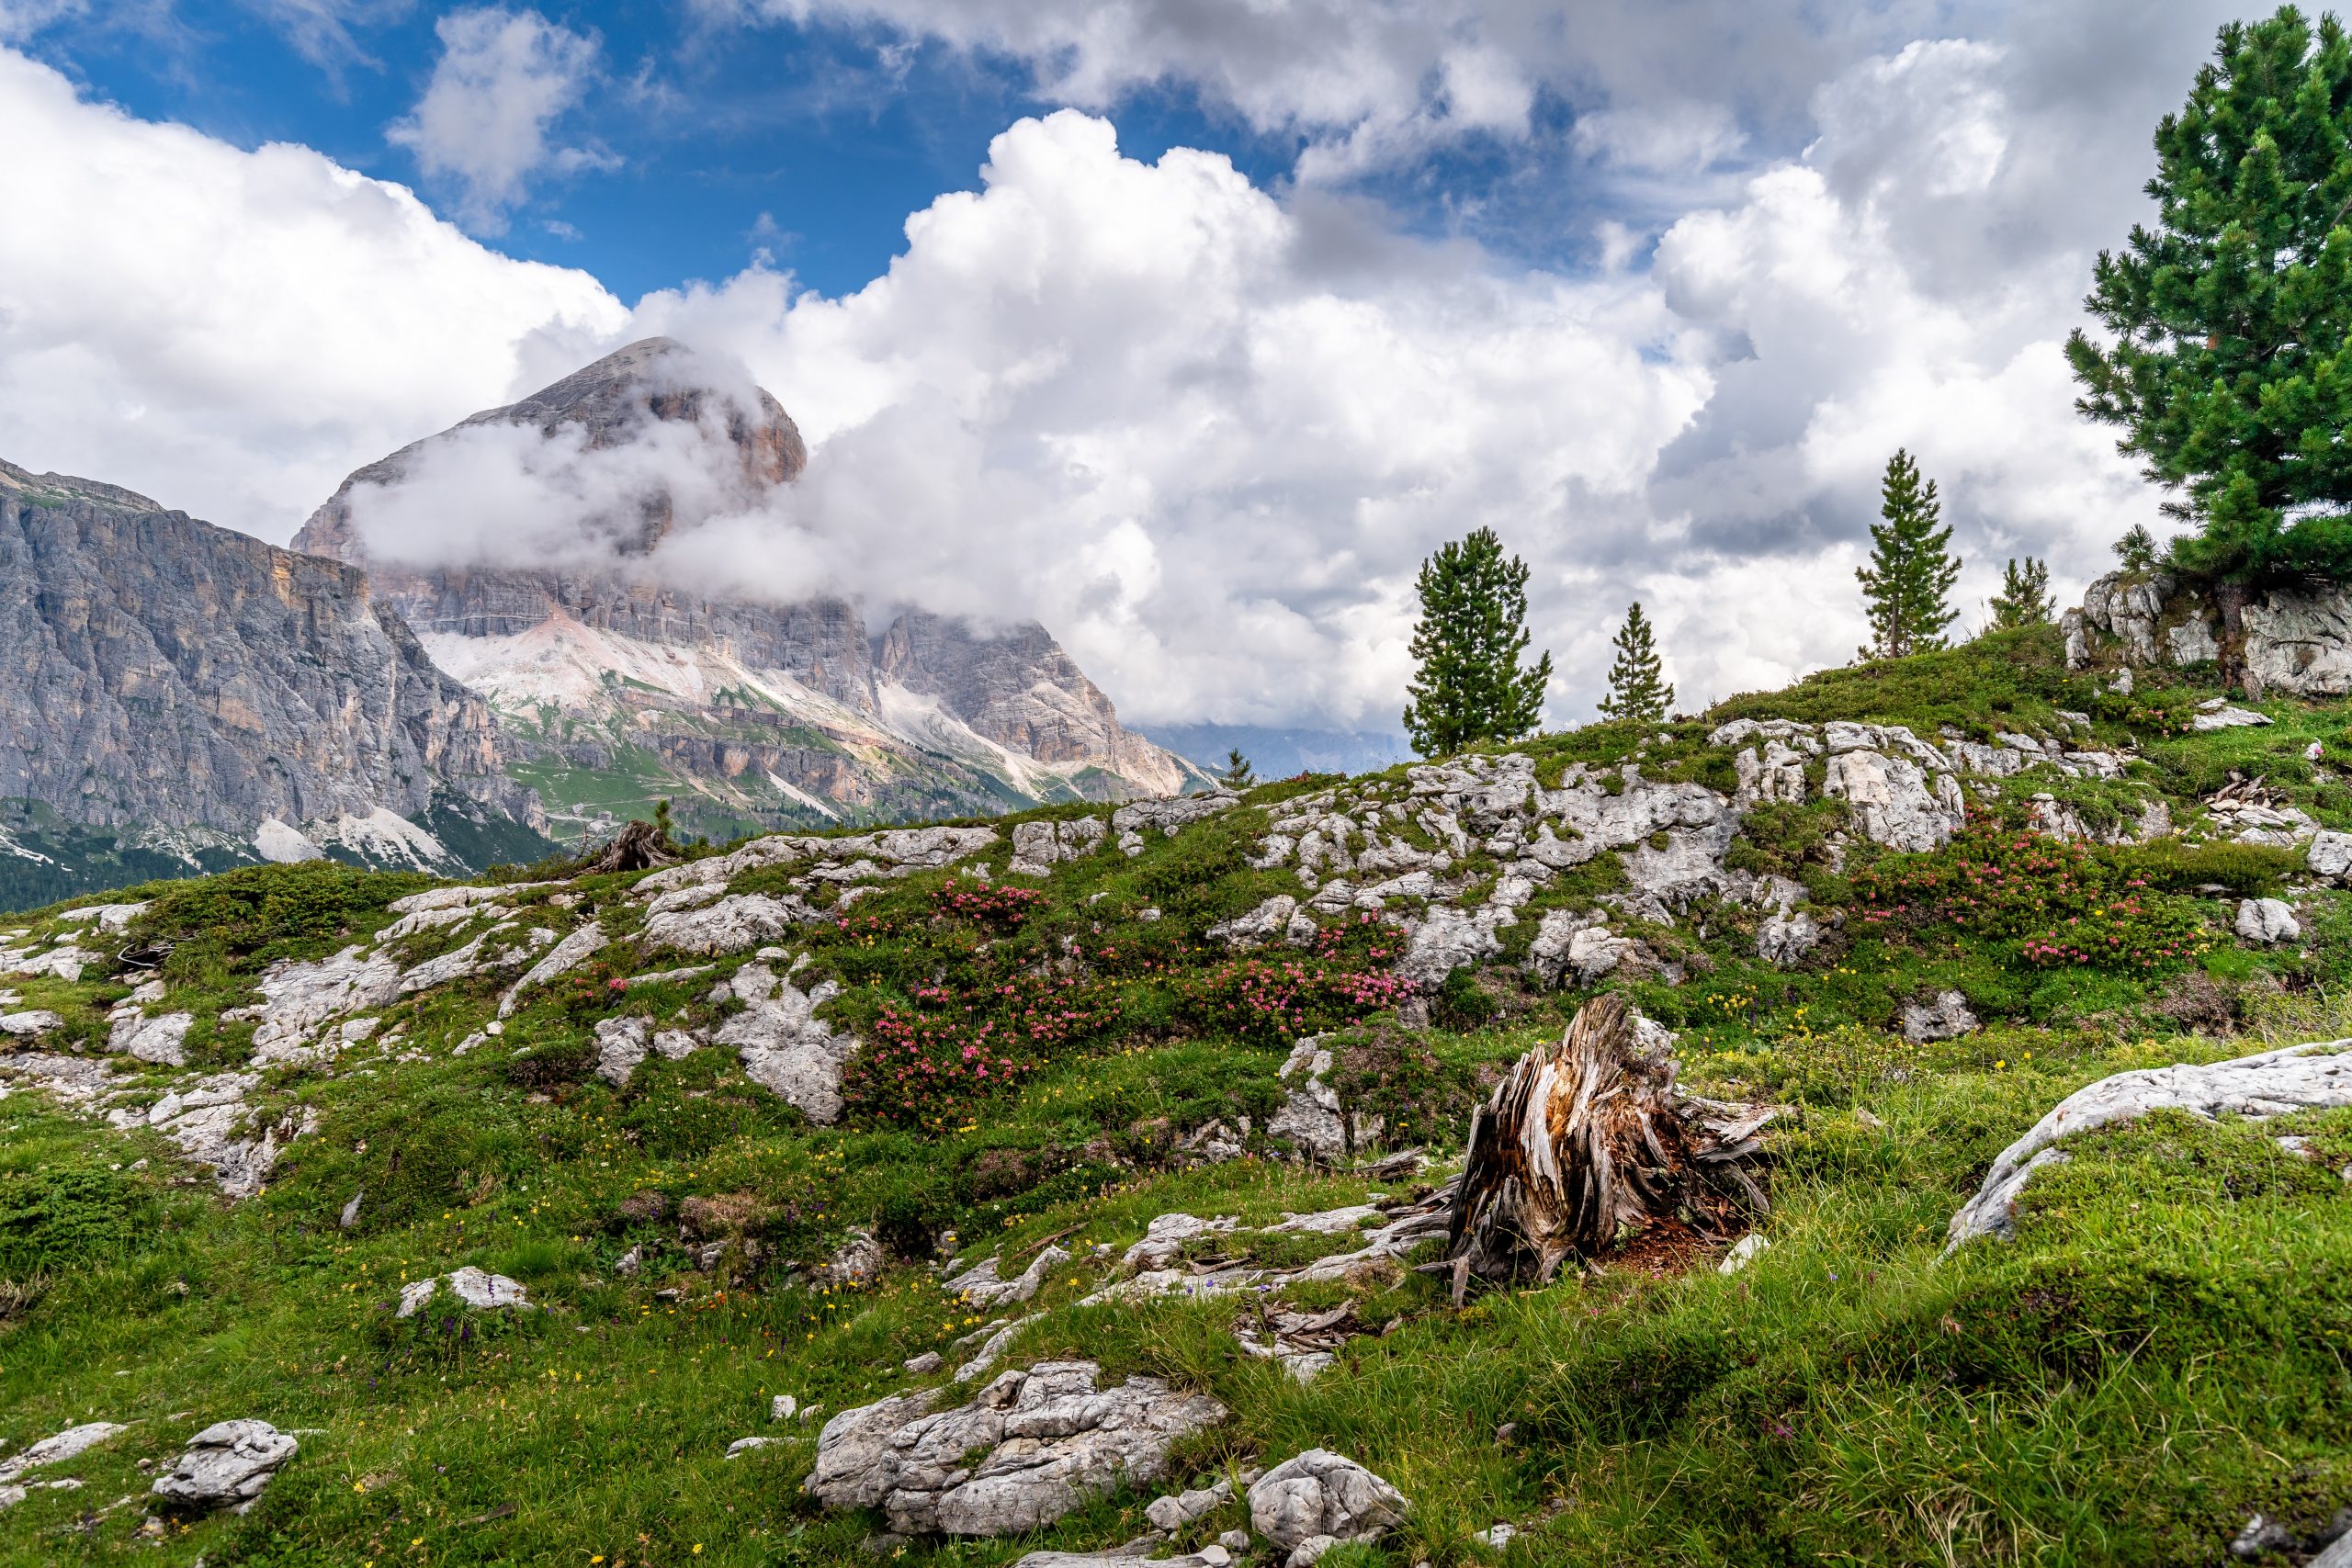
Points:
x=1908 y=582
x=1468 y=684
x=1637 y=689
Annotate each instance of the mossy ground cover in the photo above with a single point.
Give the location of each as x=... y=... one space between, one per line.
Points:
x=2160 y=1353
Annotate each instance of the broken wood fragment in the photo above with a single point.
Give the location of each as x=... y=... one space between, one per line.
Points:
x=640 y=846
x=1589 y=1144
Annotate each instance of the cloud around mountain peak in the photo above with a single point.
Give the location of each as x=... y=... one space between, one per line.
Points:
x=1202 y=429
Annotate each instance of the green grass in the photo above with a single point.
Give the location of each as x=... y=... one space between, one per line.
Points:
x=2160 y=1353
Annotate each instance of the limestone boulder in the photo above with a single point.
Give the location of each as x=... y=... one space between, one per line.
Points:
x=786 y=1047
x=1166 y=817
x=1945 y=1018
x=1443 y=940
x=2126 y=607
x=2217 y=714
x=1595 y=952
x=2273 y=1083
x=157 y=1040
x=620 y=1046
x=566 y=954
x=1785 y=938
x=476 y=1289
x=1261 y=925
x=1027 y=1449
x=226 y=1464
x=2267 y=922
x=58 y=1448
x=1320 y=1493
x=1548 y=955
x=1312 y=1118
x=300 y=998
x=1892 y=800
x=1037 y=847
x=2329 y=855
x=2300 y=641
x=730 y=925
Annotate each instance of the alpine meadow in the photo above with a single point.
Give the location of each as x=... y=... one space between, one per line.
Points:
x=1564 y=798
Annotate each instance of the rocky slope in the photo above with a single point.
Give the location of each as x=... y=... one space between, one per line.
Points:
x=1079 y=1183
x=619 y=688
x=186 y=694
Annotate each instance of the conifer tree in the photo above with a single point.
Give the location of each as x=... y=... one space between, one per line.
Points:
x=1469 y=686
x=1912 y=568
x=1238 y=774
x=2024 y=598
x=2229 y=363
x=1635 y=689
x=2137 y=548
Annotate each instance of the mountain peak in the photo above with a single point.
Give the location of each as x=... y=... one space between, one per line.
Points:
x=614 y=677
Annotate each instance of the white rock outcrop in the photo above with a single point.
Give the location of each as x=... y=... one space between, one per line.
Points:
x=1038 y=847
x=1892 y=802
x=475 y=1288
x=1268 y=921
x=56 y=1449
x=1784 y=939
x=1165 y=816
x=1555 y=935
x=159 y=1040
x=228 y=1463
x=2330 y=855
x=566 y=954
x=729 y=925
x=1320 y=1496
x=300 y=998
x=2298 y=1078
x=2267 y=922
x=1945 y=1018
x=786 y=1047
x=1026 y=1449
x=1311 y=1117
x=1445 y=938
x=981 y=1286
x=620 y=1046
x=213 y=1124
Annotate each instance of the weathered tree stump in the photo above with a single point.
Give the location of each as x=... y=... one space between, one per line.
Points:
x=1589 y=1144
x=640 y=846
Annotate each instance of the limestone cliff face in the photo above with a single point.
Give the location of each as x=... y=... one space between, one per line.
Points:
x=2289 y=640
x=1018 y=688
x=157 y=671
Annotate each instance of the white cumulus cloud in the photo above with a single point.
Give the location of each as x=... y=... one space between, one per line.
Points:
x=1203 y=431
x=504 y=78
x=233 y=332
x=1138 y=401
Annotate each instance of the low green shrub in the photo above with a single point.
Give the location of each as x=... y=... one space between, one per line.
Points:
x=2248 y=871
x=247 y=918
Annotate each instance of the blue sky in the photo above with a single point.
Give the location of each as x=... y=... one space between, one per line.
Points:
x=832 y=132
x=1186 y=327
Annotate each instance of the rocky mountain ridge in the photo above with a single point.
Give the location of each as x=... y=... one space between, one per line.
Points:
x=201 y=697
x=617 y=687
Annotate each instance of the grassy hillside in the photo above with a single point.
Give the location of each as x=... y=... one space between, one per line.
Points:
x=2161 y=1352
